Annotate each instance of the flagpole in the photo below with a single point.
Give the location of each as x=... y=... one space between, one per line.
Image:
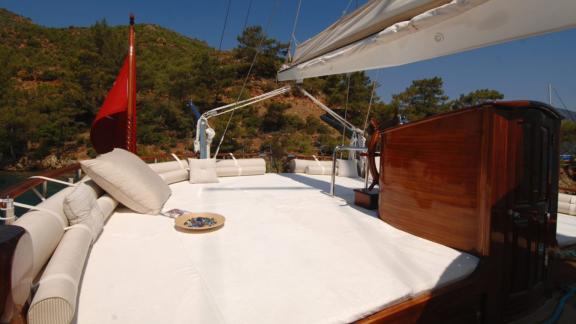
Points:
x=131 y=109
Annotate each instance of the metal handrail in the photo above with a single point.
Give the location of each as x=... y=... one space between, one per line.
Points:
x=336 y=150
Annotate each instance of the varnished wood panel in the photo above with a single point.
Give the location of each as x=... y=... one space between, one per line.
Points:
x=482 y=180
x=430 y=179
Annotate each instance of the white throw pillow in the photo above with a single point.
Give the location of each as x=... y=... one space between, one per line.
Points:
x=80 y=207
x=126 y=178
x=203 y=171
x=347 y=168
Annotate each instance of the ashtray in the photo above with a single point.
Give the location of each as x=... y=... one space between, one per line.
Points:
x=199 y=221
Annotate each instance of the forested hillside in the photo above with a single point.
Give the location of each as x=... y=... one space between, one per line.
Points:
x=53 y=81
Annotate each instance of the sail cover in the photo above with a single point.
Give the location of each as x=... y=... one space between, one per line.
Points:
x=386 y=33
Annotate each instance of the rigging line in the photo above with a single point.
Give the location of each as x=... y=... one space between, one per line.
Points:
x=346 y=110
x=225 y=23
x=347 y=7
x=293 y=35
x=371 y=99
x=560 y=98
x=247 y=15
x=258 y=49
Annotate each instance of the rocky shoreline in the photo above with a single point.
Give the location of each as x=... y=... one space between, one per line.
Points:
x=49 y=162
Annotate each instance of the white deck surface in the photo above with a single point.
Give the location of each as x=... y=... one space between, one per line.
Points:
x=289 y=253
x=566 y=230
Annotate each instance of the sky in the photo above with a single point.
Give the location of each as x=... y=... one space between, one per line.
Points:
x=520 y=69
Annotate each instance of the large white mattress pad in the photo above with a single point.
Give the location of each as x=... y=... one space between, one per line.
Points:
x=288 y=253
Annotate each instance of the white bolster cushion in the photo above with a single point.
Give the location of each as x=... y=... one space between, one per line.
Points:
x=240 y=167
x=163 y=167
x=203 y=171
x=107 y=205
x=299 y=165
x=129 y=180
x=81 y=208
x=22 y=267
x=347 y=168
x=318 y=170
x=258 y=162
x=45 y=229
x=55 y=299
x=226 y=163
x=228 y=171
x=252 y=170
x=567 y=198
x=567 y=208
x=171 y=177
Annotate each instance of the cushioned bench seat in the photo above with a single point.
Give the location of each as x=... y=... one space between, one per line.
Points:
x=288 y=253
x=566 y=230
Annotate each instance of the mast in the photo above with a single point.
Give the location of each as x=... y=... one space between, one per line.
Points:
x=131 y=111
x=550 y=94
x=115 y=123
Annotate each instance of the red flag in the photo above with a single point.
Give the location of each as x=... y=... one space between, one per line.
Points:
x=115 y=123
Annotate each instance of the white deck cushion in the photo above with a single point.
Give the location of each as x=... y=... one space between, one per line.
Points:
x=318 y=169
x=45 y=229
x=163 y=167
x=22 y=271
x=288 y=253
x=562 y=197
x=566 y=208
x=240 y=167
x=107 y=205
x=129 y=180
x=80 y=207
x=227 y=171
x=174 y=176
x=566 y=230
x=55 y=299
x=299 y=165
x=203 y=171
x=347 y=168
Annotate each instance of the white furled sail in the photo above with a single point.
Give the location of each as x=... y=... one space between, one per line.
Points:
x=386 y=33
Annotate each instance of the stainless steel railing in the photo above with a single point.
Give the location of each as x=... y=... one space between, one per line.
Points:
x=349 y=149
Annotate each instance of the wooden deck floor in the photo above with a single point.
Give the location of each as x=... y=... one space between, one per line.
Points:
x=564 y=277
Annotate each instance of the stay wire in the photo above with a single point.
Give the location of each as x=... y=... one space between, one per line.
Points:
x=225 y=24
x=374 y=82
x=258 y=49
x=346 y=110
x=293 y=35
x=247 y=15
x=560 y=98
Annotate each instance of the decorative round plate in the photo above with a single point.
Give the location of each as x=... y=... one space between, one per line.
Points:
x=199 y=221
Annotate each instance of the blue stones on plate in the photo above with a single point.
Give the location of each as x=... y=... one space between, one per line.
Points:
x=199 y=222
